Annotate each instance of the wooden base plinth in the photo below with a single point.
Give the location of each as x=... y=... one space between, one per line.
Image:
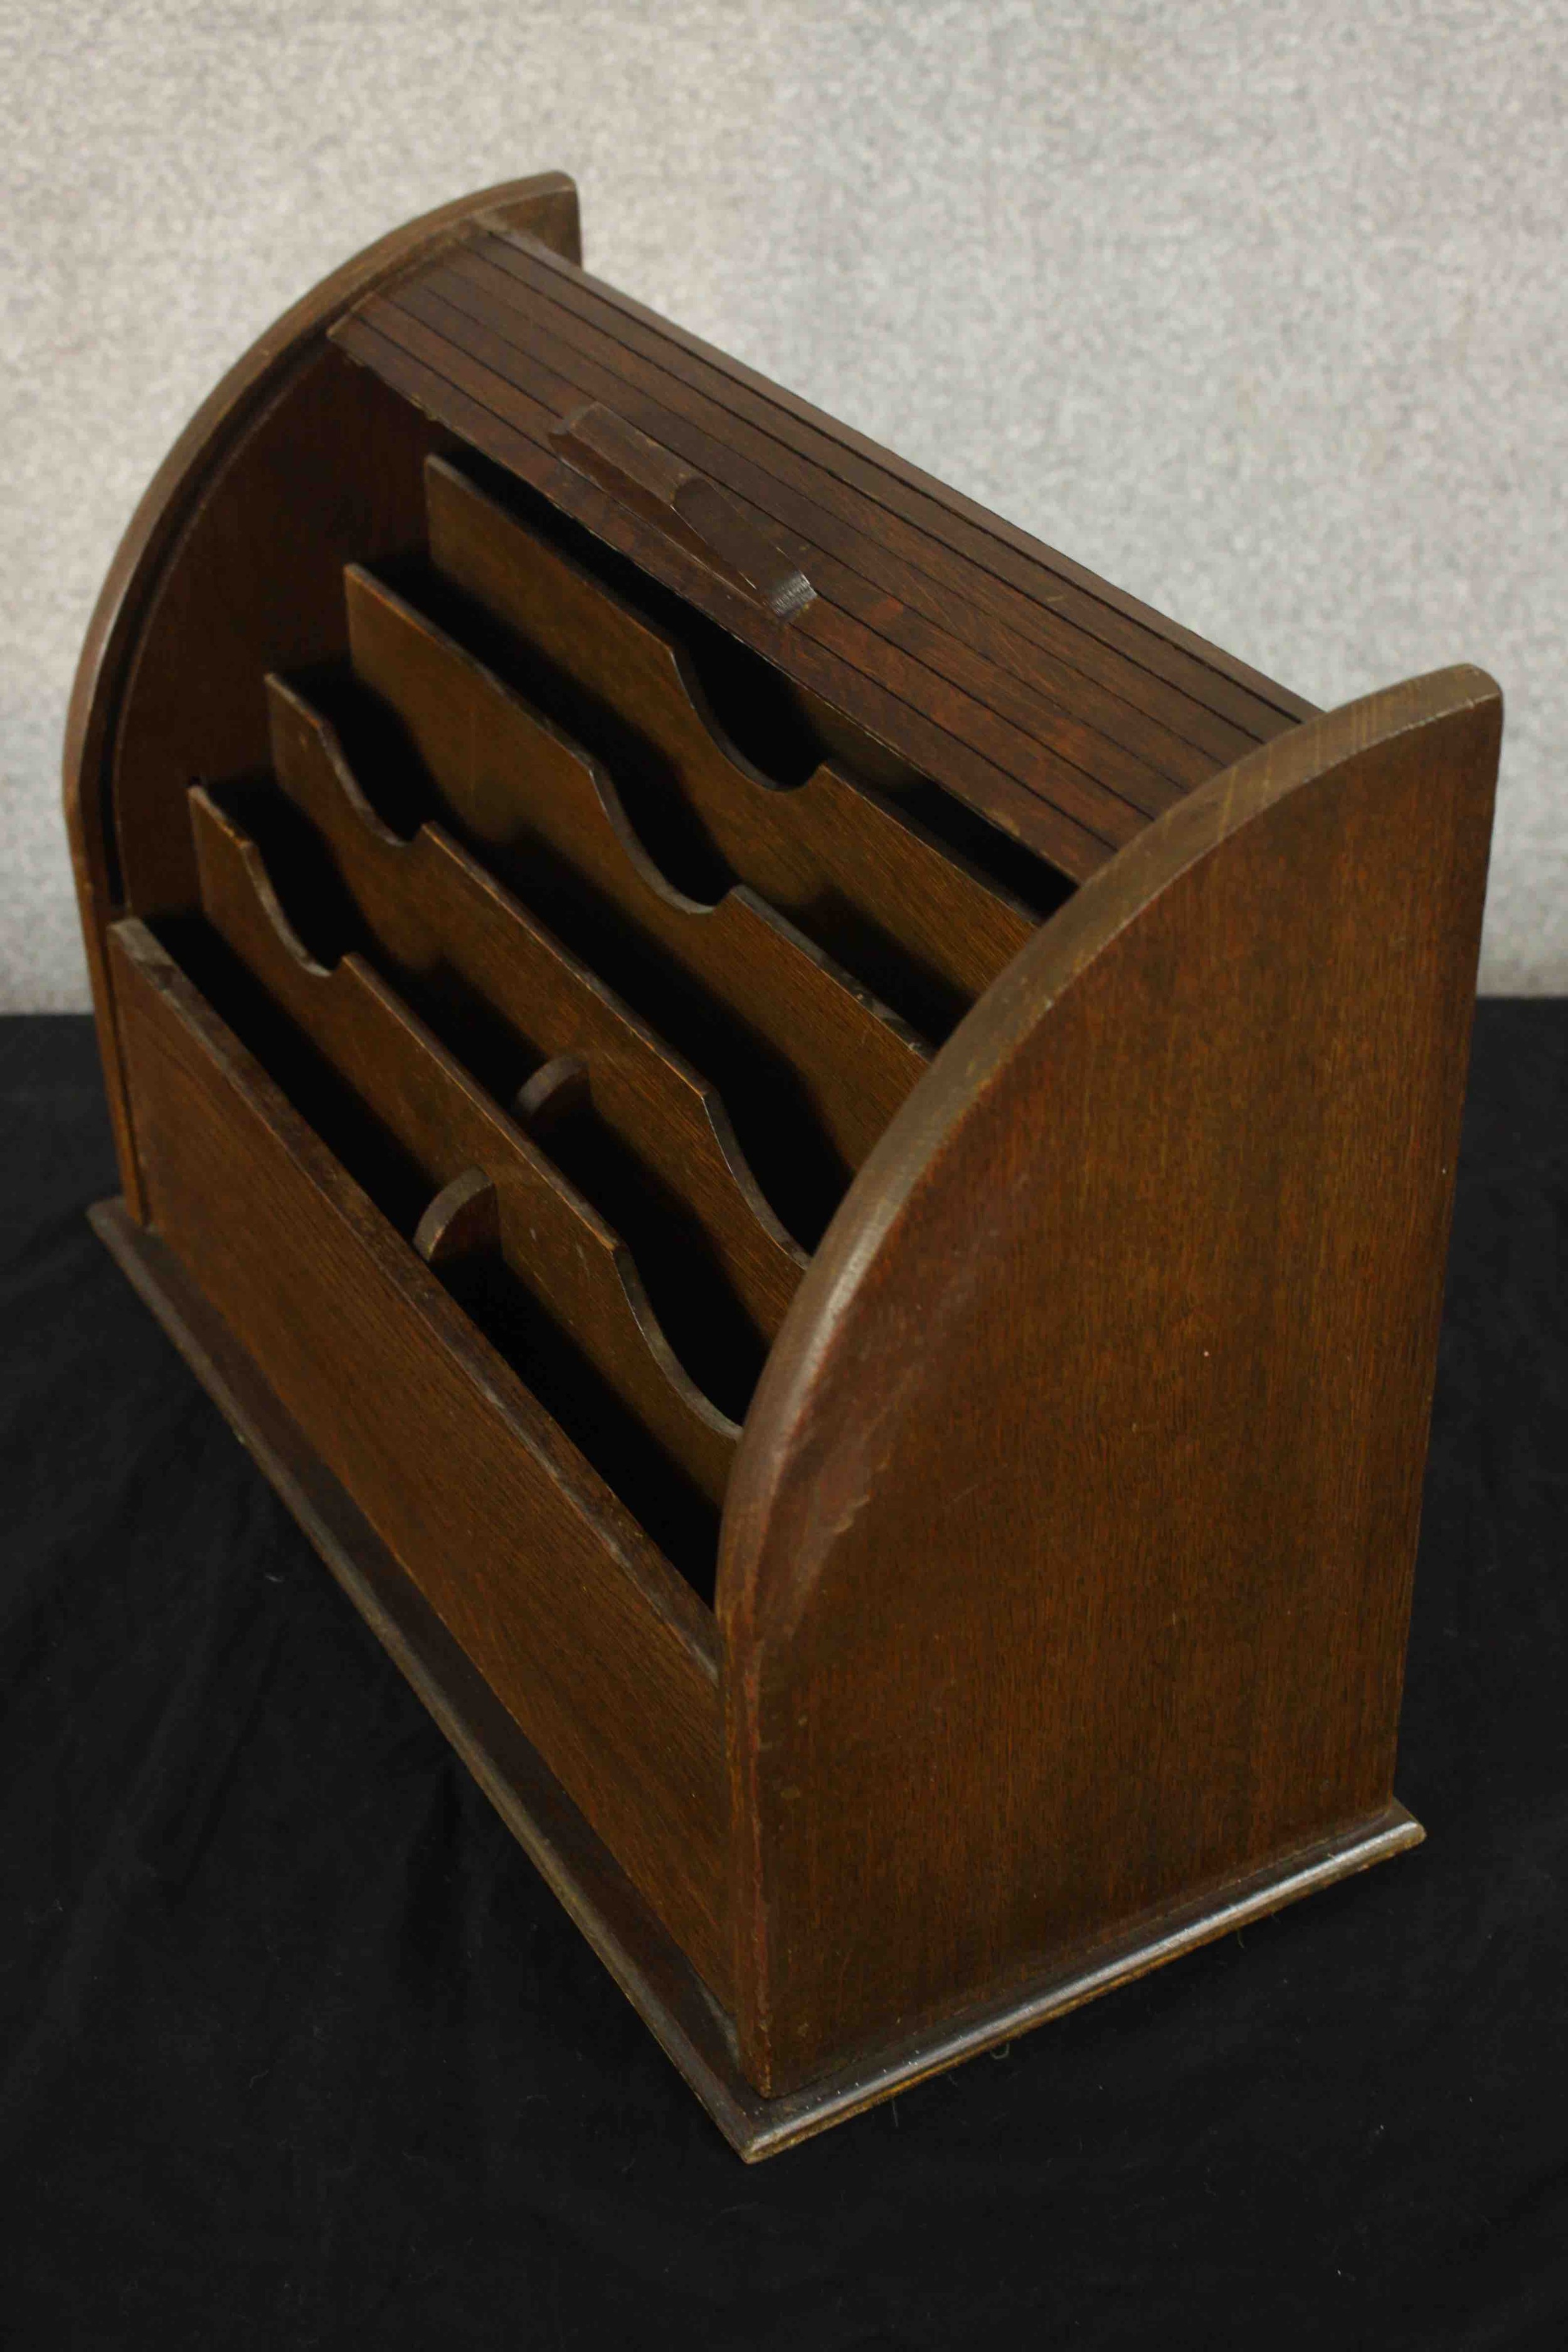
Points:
x=648 y=1966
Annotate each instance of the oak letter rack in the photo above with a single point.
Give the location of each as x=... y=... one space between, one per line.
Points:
x=815 y=1149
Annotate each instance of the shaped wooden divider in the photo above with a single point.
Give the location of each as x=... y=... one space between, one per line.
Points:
x=552 y=1239
x=828 y=853
x=429 y=904
x=514 y=782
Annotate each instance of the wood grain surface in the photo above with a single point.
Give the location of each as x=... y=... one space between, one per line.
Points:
x=229 y=568
x=597 y=1647
x=735 y=975
x=627 y=1935
x=432 y=909
x=1158 y=1250
x=565 y=830
x=843 y=864
x=1065 y=713
x=551 y=1238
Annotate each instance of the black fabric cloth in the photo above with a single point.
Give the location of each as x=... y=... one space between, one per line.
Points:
x=297 y=2050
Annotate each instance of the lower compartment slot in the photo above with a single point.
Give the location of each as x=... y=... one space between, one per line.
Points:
x=682 y=1519
x=558 y=1269
x=677 y=1513
x=586 y=1634
x=799 y=1174
x=701 y=1311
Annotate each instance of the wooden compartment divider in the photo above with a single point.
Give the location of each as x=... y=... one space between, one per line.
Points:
x=517 y=785
x=1061 y=813
x=432 y=907
x=826 y=853
x=557 y=1245
x=574 y=1619
x=566 y=829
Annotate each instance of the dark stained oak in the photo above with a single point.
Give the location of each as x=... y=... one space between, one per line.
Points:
x=556 y=1087
x=918 y=615
x=1182 y=1371
x=433 y=907
x=539 y=796
x=850 y=618
x=504 y=422
x=897 y=602
x=629 y=1937
x=572 y=1618
x=552 y=1239
x=514 y=780
x=825 y=852
x=596 y=442
x=1032 y=660
x=462 y=1221
x=1042 y=576
x=228 y=568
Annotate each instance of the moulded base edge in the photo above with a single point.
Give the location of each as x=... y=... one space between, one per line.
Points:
x=650 y=1969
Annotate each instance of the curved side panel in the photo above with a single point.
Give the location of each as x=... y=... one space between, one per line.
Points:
x=1067 y=1553
x=230 y=566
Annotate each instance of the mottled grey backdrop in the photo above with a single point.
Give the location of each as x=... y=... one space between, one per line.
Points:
x=1258 y=309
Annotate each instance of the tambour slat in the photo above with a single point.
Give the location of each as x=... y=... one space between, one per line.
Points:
x=1041 y=575
x=867 y=607
x=1057 y=707
x=1035 y=661
x=496 y=371
x=507 y=425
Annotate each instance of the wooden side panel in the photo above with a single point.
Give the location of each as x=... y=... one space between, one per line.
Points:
x=1067 y=1556
x=585 y=1634
x=229 y=567
x=516 y=783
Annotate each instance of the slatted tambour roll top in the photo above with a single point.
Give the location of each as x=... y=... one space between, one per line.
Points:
x=776 y=1094
x=971 y=656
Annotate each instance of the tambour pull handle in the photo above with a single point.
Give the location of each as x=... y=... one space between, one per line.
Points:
x=692 y=511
